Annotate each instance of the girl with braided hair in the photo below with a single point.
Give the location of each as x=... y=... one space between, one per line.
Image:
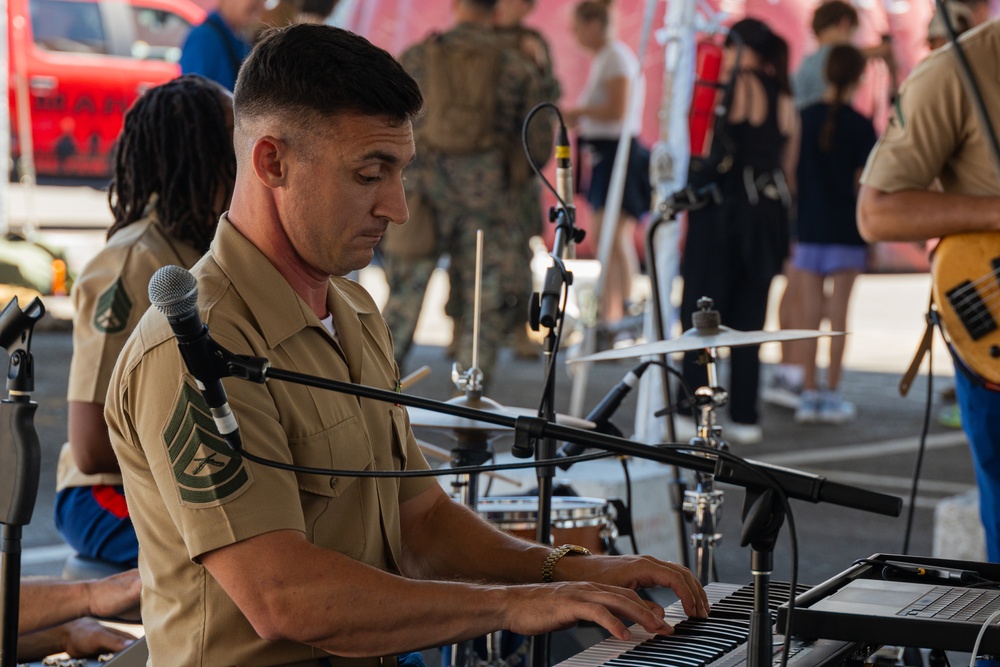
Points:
x=173 y=174
x=829 y=253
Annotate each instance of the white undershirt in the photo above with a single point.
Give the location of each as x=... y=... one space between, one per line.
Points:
x=328 y=323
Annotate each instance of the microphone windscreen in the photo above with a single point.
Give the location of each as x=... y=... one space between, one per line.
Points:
x=173 y=290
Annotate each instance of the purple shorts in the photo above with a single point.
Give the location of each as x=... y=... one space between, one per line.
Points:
x=827 y=258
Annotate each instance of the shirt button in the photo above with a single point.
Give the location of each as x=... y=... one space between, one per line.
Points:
x=333 y=482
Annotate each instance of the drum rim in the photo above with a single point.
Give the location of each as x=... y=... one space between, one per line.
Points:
x=585 y=512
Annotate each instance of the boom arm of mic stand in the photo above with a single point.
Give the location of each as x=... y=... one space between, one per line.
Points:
x=796 y=484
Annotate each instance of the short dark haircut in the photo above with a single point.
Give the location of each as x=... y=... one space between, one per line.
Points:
x=593 y=10
x=830 y=14
x=317 y=69
x=321 y=8
x=175 y=151
x=483 y=5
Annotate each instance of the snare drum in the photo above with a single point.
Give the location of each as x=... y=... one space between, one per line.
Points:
x=583 y=521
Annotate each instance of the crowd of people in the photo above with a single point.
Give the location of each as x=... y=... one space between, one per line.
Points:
x=280 y=159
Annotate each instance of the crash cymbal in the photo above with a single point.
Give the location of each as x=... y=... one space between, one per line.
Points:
x=422 y=418
x=700 y=339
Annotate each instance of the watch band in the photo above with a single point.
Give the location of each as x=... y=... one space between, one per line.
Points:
x=549 y=566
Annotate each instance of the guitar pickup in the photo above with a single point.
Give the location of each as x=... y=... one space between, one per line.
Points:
x=972 y=312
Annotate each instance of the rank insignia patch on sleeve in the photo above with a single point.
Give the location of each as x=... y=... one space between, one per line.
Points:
x=113 y=309
x=207 y=470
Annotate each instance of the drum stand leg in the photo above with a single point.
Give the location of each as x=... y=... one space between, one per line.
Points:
x=472 y=452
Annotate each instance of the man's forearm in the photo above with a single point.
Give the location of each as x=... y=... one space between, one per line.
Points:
x=918 y=215
x=49 y=602
x=476 y=550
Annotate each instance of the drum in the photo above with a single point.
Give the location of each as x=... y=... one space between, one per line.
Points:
x=575 y=520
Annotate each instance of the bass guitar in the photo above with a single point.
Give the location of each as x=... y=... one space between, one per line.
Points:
x=965 y=273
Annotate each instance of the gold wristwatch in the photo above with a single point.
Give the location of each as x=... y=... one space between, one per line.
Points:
x=549 y=566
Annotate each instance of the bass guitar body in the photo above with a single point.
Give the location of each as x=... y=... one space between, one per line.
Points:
x=966 y=290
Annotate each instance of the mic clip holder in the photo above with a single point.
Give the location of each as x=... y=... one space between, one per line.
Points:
x=16 y=327
x=527 y=432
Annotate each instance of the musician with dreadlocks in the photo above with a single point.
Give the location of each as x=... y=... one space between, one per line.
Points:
x=173 y=174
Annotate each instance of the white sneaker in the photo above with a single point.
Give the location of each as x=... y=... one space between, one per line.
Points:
x=781 y=390
x=834 y=409
x=742 y=434
x=809 y=408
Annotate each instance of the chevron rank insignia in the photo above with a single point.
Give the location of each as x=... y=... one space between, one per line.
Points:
x=207 y=470
x=113 y=308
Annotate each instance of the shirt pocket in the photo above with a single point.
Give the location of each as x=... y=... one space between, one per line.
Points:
x=339 y=511
x=343 y=446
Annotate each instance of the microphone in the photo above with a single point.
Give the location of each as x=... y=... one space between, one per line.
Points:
x=174 y=292
x=603 y=411
x=564 y=170
x=552 y=285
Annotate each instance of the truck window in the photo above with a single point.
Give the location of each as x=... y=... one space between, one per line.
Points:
x=159 y=34
x=66 y=25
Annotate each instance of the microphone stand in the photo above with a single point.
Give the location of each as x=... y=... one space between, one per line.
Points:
x=545 y=311
x=758 y=478
x=20 y=462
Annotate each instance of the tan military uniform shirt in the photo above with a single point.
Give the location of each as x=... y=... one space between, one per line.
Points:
x=109 y=297
x=934 y=131
x=190 y=494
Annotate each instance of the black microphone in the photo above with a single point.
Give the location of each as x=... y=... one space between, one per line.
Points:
x=174 y=292
x=603 y=411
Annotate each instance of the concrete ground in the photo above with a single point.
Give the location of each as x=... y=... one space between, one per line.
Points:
x=877 y=451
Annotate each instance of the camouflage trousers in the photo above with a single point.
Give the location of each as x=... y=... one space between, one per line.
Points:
x=525 y=209
x=506 y=279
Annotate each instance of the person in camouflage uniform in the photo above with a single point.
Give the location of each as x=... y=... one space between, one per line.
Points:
x=477 y=94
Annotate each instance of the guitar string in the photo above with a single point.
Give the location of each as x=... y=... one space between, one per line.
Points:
x=960 y=305
x=992 y=275
x=980 y=315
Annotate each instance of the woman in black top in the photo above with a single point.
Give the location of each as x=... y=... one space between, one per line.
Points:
x=734 y=249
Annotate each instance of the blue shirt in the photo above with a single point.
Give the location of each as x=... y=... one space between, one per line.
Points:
x=214 y=51
x=828 y=180
x=809 y=80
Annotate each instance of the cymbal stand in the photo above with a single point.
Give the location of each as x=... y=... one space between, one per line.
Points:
x=20 y=462
x=473 y=450
x=688 y=199
x=703 y=504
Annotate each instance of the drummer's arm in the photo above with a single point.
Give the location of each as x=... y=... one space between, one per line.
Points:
x=443 y=539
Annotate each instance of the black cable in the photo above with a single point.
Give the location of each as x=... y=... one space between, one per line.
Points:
x=527 y=151
x=628 y=503
x=400 y=474
x=685 y=388
x=922 y=446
